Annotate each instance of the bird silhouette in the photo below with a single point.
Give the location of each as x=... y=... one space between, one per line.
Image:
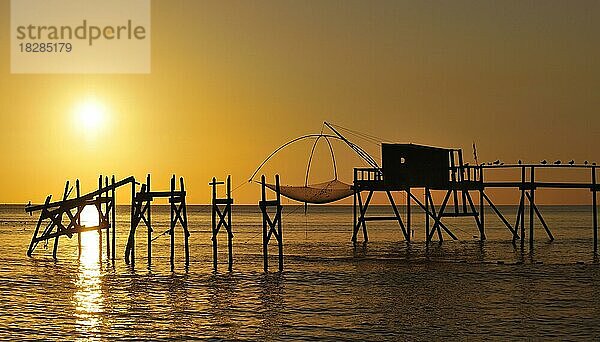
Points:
x=496 y=162
x=594 y=164
x=544 y=162
x=557 y=162
x=519 y=162
x=585 y=162
x=571 y=162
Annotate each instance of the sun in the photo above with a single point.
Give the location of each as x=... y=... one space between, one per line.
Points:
x=91 y=115
x=89 y=216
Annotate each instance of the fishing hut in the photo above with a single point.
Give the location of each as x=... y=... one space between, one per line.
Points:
x=63 y=217
x=406 y=167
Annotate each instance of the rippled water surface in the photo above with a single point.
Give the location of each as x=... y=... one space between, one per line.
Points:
x=385 y=290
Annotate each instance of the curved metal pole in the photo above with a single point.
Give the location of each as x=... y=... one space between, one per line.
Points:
x=308 y=136
x=312 y=152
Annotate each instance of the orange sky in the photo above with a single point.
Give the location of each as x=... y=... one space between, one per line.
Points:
x=233 y=80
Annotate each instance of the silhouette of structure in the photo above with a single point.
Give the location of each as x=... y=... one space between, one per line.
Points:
x=221 y=217
x=271 y=226
x=141 y=212
x=63 y=218
x=408 y=166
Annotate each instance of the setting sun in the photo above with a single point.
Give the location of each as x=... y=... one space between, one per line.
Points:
x=90 y=115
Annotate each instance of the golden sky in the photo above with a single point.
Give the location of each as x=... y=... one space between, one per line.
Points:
x=232 y=80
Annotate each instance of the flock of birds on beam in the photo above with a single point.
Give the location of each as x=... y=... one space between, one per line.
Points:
x=543 y=162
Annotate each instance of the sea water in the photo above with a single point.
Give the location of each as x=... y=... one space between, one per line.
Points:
x=330 y=289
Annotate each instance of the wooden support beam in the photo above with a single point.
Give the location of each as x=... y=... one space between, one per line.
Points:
x=72 y=203
x=395 y=217
x=594 y=210
x=540 y=217
x=499 y=214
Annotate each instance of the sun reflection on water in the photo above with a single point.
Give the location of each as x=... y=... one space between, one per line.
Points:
x=88 y=298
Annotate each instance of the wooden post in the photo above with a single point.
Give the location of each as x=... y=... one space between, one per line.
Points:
x=149 y=223
x=214 y=222
x=462 y=179
x=595 y=209
x=230 y=229
x=264 y=222
x=186 y=233
x=132 y=235
x=100 y=217
x=55 y=246
x=531 y=206
x=453 y=173
x=172 y=230
x=114 y=218
x=426 y=215
x=354 y=230
x=78 y=190
x=408 y=228
x=481 y=205
x=522 y=208
x=107 y=219
x=278 y=218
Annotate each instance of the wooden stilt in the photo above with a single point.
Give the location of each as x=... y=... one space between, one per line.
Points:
x=230 y=229
x=79 y=208
x=132 y=233
x=149 y=222
x=172 y=230
x=408 y=228
x=522 y=208
x=271 y=226
x=114 y=218
x=427 y=214
x=107 y=208
x=531 y=205
x=595 y=210
x=214 y=221
x=354 y=223
x=184 y=224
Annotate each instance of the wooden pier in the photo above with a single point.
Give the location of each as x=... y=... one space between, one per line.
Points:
x=104 y=201
x=407 y=167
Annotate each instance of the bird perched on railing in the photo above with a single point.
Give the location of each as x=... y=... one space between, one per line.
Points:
x=585 y=162
x=497 y=162
x=544 y=162
x=557 y=162
x=571 y=162
x=519 y=162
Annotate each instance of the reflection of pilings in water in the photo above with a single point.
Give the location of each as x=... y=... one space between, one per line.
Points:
x=223 y=294
x=272 y=305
